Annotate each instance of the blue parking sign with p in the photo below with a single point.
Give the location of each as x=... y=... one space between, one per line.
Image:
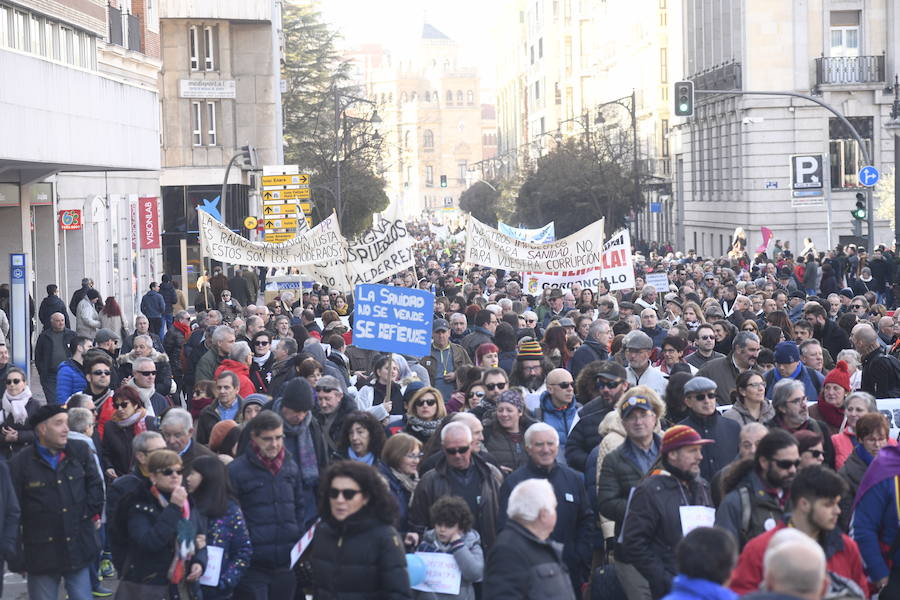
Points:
x=868 y=176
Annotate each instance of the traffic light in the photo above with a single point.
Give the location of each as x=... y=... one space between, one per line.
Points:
x=684 y=98
x=251 y=160
x=859 y=213
x=443 y=181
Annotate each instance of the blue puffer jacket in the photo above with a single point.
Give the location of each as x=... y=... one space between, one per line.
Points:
x=561 y=420
x=272 y=505
x=687 y=588
x=69 y=379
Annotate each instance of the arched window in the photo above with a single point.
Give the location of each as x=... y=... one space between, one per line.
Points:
x=470 y=97
x=406 y=139
x=427 y=96
x=390 y=97
x=449 y=97
x=428 y=139
x=412 y=97
x=403 y=97
x=436 y=96
x=459 y=97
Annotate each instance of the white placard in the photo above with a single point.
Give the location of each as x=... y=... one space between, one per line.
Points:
x=617 y=270
x=442 y=574
x=693 y=517
x=890 y=408
x=214 y=556
x=207 y=88
x=302 y=544
x=658 y=280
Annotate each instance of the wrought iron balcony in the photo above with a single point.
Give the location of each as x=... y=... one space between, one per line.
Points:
x=840 y=70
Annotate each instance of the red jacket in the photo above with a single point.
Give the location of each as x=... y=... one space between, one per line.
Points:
x=243 y=373
x=841 y=551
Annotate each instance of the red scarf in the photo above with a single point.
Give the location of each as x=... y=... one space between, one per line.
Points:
x=833 y=416
x=183 y=328
x=272 y=464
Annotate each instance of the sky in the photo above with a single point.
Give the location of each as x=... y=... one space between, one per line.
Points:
x=393 y=22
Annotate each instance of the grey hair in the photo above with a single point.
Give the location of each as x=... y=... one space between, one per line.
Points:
x=139 y=443
x=214 y=314
x=142 y=359
x=539 y=428
x=182 y=314
x=179 y=418
x=596 y=326
x=741 y=339
x=220 y=332
x=80 y=419
x=849 y=356
x=146 y=338
x=794 y=564
x=239 y=352
x=456 y=426
x=647 y=290
x=754 y=426
x=869 y=399
x=529 y=498
x=783 y=390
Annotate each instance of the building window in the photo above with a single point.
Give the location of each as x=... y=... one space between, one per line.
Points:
x=209 y=62
x=449 y=98
x=470 y=97
x=406 y=138
x=4 y=27
x=194 y=45
x=462 y=167
x=35 y=34
x=196 y=120
x=537 y=90
x=540 y=47
x=531 y=50
x=663 y=65
x=67 y=55
x=427 y=96
x=664 y=125
x=428 y=139
x=846 y=158
x=844 y=33
x=429 y=175
x=152 y=15
x=211 y=137
x=20 y=31
x=459 y=97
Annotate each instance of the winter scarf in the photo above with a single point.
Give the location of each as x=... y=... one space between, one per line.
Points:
x=833 y=415
x=186 y=534
x=261 y=360
x=367 y=458
x=309 y=468
x=136 y=420
x=15 y=406
x=183 y=328
x=421 y=426
x=409 y=482
x=272 y=464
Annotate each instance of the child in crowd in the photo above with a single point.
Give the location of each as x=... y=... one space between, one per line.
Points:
x=453 y=534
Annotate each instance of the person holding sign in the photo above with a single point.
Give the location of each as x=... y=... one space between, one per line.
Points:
x=356 y=552
x=453 y=534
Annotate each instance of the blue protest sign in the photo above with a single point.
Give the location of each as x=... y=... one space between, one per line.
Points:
x=393 y=319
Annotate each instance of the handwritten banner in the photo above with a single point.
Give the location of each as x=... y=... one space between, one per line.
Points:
x=322 y=243
x=616 y=269
x=542 y=235
x=488 y=247
x=393 y=319
x=442 y=574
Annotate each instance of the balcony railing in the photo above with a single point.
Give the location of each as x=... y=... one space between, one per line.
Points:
x=837 y=70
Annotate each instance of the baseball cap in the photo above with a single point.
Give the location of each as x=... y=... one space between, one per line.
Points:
x=440 y=325
x=634 y=403
x=611 y=371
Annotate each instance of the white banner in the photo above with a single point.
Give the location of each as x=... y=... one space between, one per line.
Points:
x=618 y=270
x=322 y=243
x=890 y=408
x=382 y=251
x=541 y=235
x=488 y=247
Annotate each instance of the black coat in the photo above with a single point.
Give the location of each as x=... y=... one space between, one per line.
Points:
x=26 y=433
x=502 y=447
x=273 y=507
x=585 y=435
x=880 y=374
x=360 y=558
x=617 y=476
x=59 y=508
x=725 y=432
x=174 y=343
x=239 y=289
x=50 y=305
x=523 y=567
x=117 y=451
x=834 y=339
x=9 y=518
x=43 y=352
x=261 y=375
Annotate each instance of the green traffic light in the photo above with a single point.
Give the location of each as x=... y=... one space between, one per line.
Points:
x=683 y=107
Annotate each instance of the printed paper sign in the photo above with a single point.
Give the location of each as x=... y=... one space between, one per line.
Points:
x=488 y=247
x=211 y=574
x=393 y=319
x=890 y=408
x=617 y=270
x=541 y=235
x=658 y=280
x=442 y=574
x=693 y=517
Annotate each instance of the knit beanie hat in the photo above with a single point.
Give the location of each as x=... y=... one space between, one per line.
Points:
x=219 y=431
x=530 y=350
x=786 y=353
x=840 y=375
x=297 y=395
x=512 y=397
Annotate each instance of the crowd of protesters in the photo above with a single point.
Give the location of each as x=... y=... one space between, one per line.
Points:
x=717 y=438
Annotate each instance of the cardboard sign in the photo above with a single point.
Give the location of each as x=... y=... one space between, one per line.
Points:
x=442 y=575
x=393 y=319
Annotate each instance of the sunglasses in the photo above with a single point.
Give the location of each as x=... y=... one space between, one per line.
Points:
x=457 y=450
x=260 y=343
x=13 y=381
x=118 y=405
x=170 y=471
x=476 y=395
x=325 y=390
x=817 y=454
x=603 y=383
x=856 y=306
x=787 y=464
x=563 y=385
x=348 y=494
x=427 y=401
x=495 y=386
x=707 y=396
x=100 y=372
x=147 y=373
x=706 y=337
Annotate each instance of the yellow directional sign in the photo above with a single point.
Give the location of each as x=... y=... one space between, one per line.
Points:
x=250 y=222
x=280 y=223
x=282 y=195
x=306 y=207
x=299 y=179
x=277 y=238
x=270 y=210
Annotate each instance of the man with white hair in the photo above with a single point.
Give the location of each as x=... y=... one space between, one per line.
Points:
x=459 y=327
x=525 y=563
x=648 y=297
x=880 y=371
x=219 y=349
x=459 y=472
x=794 y=567
x=177 y=429
x=574 y=517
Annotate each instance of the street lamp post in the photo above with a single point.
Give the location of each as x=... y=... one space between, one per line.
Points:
x=341 y=103
x=894 y=125
x=629 y=103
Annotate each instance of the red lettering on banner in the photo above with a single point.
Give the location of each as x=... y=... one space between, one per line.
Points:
x=149 y=223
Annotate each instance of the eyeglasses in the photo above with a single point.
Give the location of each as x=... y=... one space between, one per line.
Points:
x=14 y=381
x=563 y=385
x=531 y=320
x=706 y=396
x=347 y=493
x=425 y=402
x=797 y=400
x=495 y=386
x=757 y=384
x=856 y=306
x=601 y=383
x=817 y=454
x=787 y=464
x=118 y=405
x=325 y=390
x=414 y=456
x=98 y=373
x=458 y=450
x=261 y=343
x=147 y=373
x=706 y=337
x=168 y=472
x=476 y=395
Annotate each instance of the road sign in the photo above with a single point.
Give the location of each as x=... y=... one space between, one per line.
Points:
x=270 y=210
x=280 y=223
x=806 y=172
x=250 y=222
x=285 y=194
x=299 y=179
x=280 y=170
x=277 y=238
x=869 y=176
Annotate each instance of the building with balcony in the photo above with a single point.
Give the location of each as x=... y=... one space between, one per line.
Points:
x=80 y=140
x=219 y=90
x=732 y=158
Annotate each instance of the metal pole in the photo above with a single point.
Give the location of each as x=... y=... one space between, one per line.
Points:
x=895 y=121
x=337 y=151
x=635 y=166
x=827 y=177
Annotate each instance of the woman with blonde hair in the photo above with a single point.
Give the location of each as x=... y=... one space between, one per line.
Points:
x=424 y=413
x=692 y=315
